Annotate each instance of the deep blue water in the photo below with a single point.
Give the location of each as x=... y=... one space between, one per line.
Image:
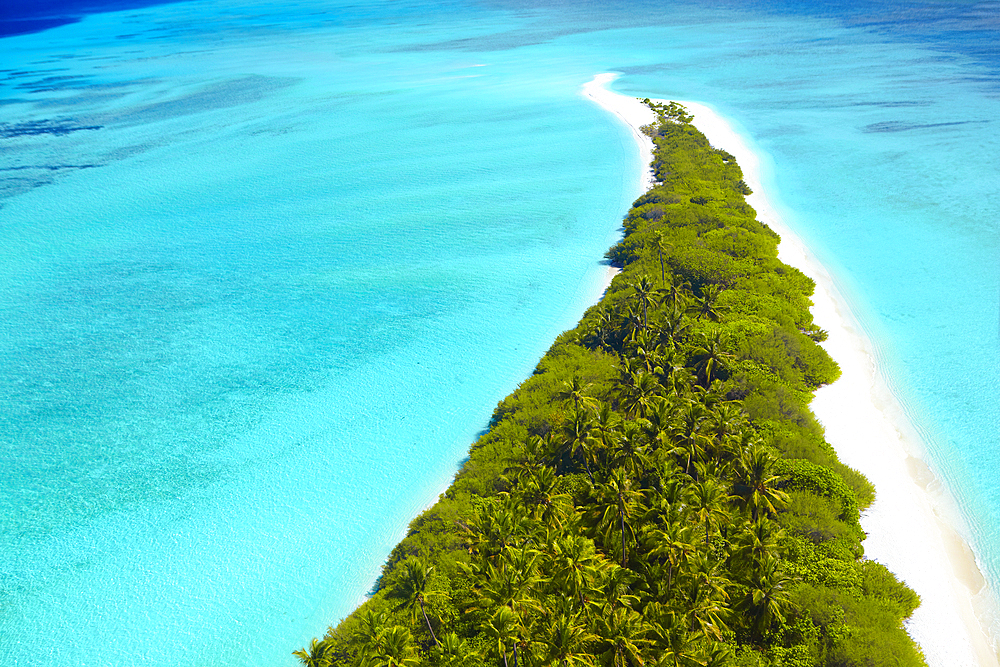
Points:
x=21 y=17
x=266 y=268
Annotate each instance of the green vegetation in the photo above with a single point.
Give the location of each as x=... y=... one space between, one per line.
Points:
x=658 y=492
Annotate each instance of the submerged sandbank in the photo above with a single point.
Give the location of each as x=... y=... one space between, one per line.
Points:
x=866 y=426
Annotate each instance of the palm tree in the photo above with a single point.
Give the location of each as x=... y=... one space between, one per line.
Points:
x=512 y=585
x=758 y=541
x=711 y=356
x=724 y=422
x=575 y=390
x=673 y=327
x=505 y=626
x=659 y=245
x=686 y=434
x=623 y=637
x=645 y=292
x=630 y=451
x=576 y=438
x=767 y=599
x=613 y=510
x=373 y=625
x=675 y=543
x=706 y=596
x=533 y=453
x=706 y=499
x=604 y=328
x=415 y=589
x=453 y=651
x=675 y=645
x=707 y=304
x=540 y=494
x=575 y=566
x=315 y=656
x=665 y=500
x=706 y=614
x=496 y=522
x=566 y=642
x=605 y=426
x=637 y=393
x=756 y=484
x=615 y=584
x=396 y=649
x=647 y=351
x=676 y=293
x=657 y=423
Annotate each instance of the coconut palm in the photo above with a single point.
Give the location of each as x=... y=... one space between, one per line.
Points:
x=706 y=596
x=495 y=523
x=753 y=545
x=315 y=656
x=756 y=484
x=623 y=638
x=647 y=352
x=396 y=649
x=505 y=628
x=660 y=244
x=675 y=645
x=674 y=542
x=452 y=651
x=676 y=293
x=576 y=440
x=604 y=329
x=575 y=390
x=767 y=600
x=575 y=566
x=645 y=296
x=707 y=305
x=513 y=584
x=637 y=393
x=707 y=502
x=605 y=428
x=539 y=492
x=630 y=452
x=724 y=422
x=567 y=641
x=415 y=589
x=615 y=584
x=686 y=434
x=613 y=511
x=665 y=502
x=672 y=327
x=711 y=356
x=657 y=423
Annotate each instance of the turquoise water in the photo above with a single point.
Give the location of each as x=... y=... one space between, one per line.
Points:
x=266 y=268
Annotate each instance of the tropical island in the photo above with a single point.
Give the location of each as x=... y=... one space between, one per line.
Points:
x=658 y=492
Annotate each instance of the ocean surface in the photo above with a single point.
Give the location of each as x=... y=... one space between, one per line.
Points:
x=267 y=267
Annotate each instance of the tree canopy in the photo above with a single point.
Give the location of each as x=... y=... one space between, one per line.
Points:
x=658 y=492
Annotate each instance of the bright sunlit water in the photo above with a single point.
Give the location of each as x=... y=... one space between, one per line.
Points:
x=266 y=268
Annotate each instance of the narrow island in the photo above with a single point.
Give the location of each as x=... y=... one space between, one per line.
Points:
x=658 y=492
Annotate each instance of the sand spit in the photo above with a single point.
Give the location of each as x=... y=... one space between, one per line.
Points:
x=866 y=425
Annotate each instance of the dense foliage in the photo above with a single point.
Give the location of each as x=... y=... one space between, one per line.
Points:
x=658 y=492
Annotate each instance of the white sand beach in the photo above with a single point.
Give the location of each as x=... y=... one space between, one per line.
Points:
x=866 y=425
x=634 y=114
x=630 y=111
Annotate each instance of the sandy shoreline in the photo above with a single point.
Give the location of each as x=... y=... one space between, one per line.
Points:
x=634 y=114
x=867 y=427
